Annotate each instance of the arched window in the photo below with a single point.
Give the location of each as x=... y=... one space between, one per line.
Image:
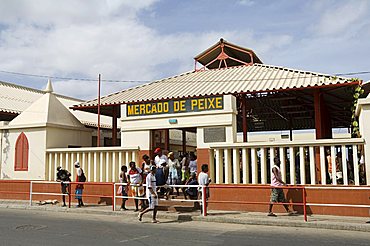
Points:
x=21 y=153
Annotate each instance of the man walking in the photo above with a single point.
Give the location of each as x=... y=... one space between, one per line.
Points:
x=277 y=194
x=151 y=191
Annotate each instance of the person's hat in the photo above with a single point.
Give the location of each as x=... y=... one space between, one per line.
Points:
x=169 y=154
x=152 y=168
x=59 y=168
x=77 y=164
x=157 y=150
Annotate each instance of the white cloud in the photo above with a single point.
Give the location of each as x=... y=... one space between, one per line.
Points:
x=246 y=2
x=84 y=38
x=91 y=37
x=338 y=19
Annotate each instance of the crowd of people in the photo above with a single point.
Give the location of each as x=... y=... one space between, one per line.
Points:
x=154 y=174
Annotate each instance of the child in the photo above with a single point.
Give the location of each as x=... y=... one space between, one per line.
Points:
x=123 y=179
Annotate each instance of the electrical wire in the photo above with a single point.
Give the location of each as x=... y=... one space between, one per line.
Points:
x=172 y=80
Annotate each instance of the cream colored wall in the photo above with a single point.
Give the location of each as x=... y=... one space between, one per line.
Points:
x=363 y=112
x=139 y=139
x=61 y=138
x=36 y=158
x=136 y=129
x=297 y=136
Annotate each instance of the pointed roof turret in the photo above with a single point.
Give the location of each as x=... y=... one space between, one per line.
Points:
x=225 y=54
x=49 y=87
x=47 y=110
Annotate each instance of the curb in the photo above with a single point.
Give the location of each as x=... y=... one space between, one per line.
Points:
x=188 y=217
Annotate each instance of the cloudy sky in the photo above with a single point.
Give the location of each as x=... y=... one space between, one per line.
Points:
x=144 y=40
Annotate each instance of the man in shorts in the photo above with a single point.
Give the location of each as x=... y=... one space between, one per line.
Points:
x=277 y=194
x=151 y=193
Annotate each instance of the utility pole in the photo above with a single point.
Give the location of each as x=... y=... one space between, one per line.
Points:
x=98 y=143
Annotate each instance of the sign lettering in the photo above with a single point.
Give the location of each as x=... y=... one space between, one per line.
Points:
x=176 y=106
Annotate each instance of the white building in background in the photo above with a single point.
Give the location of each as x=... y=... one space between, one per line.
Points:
x=47 y=123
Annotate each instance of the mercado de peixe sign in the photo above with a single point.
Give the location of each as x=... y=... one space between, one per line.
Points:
x=176 y=106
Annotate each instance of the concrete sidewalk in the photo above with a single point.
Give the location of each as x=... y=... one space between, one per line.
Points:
x=250 y=218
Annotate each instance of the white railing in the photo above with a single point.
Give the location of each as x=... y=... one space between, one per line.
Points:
x=100 y=164
x=301 y=162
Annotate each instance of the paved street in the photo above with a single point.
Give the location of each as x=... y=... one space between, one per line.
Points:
x=20 y=227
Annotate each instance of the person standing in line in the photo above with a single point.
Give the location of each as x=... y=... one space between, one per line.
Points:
x=277 y=193
x=63 y=176
x=159 y=158
x=173 y=174
x=124 y=188
x=136 y=181
x=191 y=192
x=151 y=191
x=79 y=188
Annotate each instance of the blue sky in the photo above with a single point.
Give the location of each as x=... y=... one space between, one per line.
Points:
x=153 y=39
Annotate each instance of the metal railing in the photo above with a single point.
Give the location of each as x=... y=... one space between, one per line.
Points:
x=203 y=199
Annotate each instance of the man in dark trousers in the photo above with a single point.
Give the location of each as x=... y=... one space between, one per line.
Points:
x=63 y=176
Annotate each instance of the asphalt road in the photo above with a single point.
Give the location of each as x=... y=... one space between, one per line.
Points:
x=25 y=227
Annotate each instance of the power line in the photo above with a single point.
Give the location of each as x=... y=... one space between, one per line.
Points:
x=173 y=80
x=70 y=78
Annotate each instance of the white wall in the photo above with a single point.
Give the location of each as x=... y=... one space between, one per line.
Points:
x=363 y=112
x=36 y=158
x=133 y=127
x=61 y=138
x=139 y=139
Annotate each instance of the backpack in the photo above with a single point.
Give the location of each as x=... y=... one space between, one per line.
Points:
x=82 y=177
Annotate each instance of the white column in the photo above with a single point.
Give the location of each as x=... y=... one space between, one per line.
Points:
x=282 y=163
x=219 y=166
x=95 y=166
x=90 y=168
x=312 y=165
x=127 y=158
x=61 y=159
x=302 y=165
x=322 y=165
x=67 y=163
x=333 y=165
x=228 y=169
x=107 y=166
x=263 y=166
x=236 y=166
x=72 y=167
x=211 y=166
x=133 y=156
x=344 y=165
x=355 y=165
x=84 y=163
x=55 y=165
x=49 y=158
x=114 y=167
x=245 y=166
x=272 y=157
x=292 y=165
x=120 y=161
x=254 y=166
x=101 y=164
